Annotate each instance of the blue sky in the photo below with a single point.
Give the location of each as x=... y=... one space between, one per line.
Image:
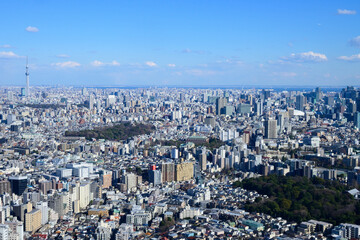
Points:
x=184 y=43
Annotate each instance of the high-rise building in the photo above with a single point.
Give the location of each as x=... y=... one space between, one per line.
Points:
x=33 y=220
x=18 y=184
x=330 y=100
x=174 y=153
x=91 y=102
x=318 y=94
x=243 y=108
x=220 y=103
x=203 y=161
x=168 y=172
x=84 y=91
x=59 y=202
x=45 y=186
x=106 y=178
x=210 y=120
x=154 y=176
x=270 y=129
x=130 y=180
x=21 y=210
x=228 y=110
x=22 y=92
x=357 y=120
x=184 y=171
x=265 y=93
x=5 y=187
x=300 y=102
x=43 y=207
x=16 y=229
x=4 y=232
x=258 y=107
x=84 y=195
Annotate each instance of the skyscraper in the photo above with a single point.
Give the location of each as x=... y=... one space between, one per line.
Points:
x=258 y=106
x=270 y=129
x=154 y=175
x=203 y=161
x=91 y=102
x=357 y=120
x=18 y=184
x=43 y=206
x=220 y=103
x=300 y=102
x=168 y=172
x=318 y=94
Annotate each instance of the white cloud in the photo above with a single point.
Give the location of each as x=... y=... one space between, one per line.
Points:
x=115 y=63
x=5 y=46
x=171 y=65
x=352 y=58
x=306 y=57
x=68 y=64
x=97 y=63
x=355 y=42
x=9 y=55
x=346 y=12
x=62 y=56
x=32 y=29
x=151 y=64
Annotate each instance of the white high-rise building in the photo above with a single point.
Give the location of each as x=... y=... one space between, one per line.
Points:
x=43 y=206
x=84 y=194
x=91 y=102
x=4 y=232
x=174 y=153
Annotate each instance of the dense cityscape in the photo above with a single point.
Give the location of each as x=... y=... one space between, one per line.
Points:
x=179 y=163
x=179 y=120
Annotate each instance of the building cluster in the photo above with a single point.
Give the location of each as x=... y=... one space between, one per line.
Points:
x=175 y=182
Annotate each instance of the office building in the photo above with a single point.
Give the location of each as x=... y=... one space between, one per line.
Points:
x=5 y=187
x=43 y=207
x=270 y=129
x=357 y=120
x=220 y=104
x=18 y=184
x=154 y=176
x=203 y=161
x=243 y=108
x=300 y=102
x=168 y=172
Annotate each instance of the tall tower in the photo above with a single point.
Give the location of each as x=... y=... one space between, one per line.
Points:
x=220 y=103
x=270 y=129
x=27 y=88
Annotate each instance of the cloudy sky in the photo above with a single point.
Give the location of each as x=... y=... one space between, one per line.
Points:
x=183 y=43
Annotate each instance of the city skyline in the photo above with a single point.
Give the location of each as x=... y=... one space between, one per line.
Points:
x=160 y=43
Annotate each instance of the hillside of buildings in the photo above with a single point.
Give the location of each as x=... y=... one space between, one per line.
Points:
x=117 y=132
x=300 y=199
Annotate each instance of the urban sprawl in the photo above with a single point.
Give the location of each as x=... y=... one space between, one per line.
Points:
x=179 y=163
